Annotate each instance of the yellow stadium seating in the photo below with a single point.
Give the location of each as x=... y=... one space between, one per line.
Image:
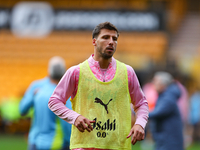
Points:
x=25 y=59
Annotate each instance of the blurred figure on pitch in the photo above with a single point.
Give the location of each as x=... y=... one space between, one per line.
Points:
x=165 y=120
x=152 y=96
x=195 y=113
x=183 y=105
x=45 y=132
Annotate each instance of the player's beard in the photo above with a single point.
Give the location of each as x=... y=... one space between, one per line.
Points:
x=103 y=54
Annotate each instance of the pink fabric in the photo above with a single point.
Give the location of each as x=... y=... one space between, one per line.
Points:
x=183 y=103
x=69 y=83
x=151 y=95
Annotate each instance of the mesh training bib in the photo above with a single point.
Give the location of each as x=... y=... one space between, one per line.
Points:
x=108 y=103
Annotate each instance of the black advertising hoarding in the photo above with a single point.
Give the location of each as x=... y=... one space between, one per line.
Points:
x=40 y=18
x=123 y=20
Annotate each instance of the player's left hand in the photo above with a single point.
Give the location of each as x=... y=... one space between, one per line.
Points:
x=138 y=133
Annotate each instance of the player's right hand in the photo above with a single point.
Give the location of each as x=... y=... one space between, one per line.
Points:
x=83 y=123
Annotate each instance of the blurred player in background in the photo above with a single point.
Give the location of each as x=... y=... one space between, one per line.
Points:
x=46 y=129
x=102 y=90
x=165 y=119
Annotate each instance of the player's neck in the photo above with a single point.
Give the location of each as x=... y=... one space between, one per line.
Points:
x=104 y=63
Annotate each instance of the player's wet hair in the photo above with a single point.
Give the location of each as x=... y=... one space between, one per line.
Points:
x=104 y=25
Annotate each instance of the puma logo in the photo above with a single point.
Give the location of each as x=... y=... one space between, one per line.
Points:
x=97 y=100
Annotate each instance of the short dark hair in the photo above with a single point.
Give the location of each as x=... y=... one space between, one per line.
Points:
x=104 y=25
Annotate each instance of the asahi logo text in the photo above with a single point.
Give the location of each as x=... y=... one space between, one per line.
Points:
x=103 y=127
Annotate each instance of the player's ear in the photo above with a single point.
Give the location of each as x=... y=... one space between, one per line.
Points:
x=94 y=41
